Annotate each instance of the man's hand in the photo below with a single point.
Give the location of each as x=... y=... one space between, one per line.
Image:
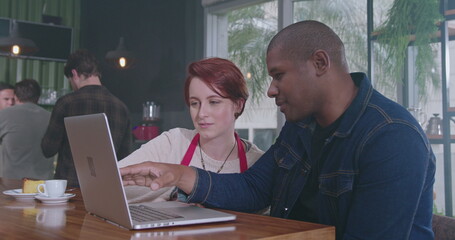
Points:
x=159 y=175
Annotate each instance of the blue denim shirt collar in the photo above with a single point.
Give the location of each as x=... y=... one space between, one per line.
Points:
x=354 y=111
x=358 y=105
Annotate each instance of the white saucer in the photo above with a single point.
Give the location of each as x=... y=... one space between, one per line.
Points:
x=17 y=193
x=54 y=200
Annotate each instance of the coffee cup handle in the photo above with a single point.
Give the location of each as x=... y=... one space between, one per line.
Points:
x=43 y=186
x=40 y=217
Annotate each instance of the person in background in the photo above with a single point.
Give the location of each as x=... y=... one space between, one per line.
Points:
x=6 y=100
x=347 y=156
x=22 y=127
x=216 y=93
x=6 y=95
x=88 y=97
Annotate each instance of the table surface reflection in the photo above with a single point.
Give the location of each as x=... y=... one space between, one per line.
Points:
x=30 y=219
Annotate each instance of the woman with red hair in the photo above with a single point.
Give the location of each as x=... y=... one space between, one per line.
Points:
x=216 y=93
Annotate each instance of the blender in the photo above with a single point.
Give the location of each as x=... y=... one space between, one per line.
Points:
x=149 y=128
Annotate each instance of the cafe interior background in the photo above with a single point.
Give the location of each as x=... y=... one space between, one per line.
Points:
x=160 y=38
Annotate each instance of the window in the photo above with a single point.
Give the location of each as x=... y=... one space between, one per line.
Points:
x=338 y=15
x=226 y=25
x=241 y=33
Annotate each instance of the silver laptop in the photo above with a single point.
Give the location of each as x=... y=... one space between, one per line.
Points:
x=101 y=184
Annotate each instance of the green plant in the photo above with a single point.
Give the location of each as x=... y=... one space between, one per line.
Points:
x=410 y=22
x=250 y=30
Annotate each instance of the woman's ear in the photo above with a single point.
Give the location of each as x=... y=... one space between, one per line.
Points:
x=238 y=106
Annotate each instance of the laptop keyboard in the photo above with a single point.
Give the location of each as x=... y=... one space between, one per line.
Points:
x=142 y=213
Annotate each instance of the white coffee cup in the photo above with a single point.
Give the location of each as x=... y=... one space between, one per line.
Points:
x=53 y=188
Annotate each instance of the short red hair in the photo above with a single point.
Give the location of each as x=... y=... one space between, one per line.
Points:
x=220 y=75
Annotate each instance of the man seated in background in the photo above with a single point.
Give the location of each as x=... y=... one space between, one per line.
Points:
x=6 y=95
x=6 y=100
x=22 y=127
x=89 y=96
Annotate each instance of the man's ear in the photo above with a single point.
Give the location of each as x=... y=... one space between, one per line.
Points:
x=321 y=61
x=74 y=73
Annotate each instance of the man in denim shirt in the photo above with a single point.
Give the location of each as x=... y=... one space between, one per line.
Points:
x=347 y=156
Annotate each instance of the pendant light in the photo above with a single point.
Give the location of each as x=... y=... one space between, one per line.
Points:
x=120 y=57
x=15 y=45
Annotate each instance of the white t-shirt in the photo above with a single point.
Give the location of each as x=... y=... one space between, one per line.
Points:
x=170 y=147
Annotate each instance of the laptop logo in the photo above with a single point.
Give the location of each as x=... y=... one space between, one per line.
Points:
x=91 y=165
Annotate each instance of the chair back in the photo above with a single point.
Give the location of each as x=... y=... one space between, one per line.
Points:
x=443 y=227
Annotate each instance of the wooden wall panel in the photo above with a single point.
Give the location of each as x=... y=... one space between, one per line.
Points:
x=48 y=73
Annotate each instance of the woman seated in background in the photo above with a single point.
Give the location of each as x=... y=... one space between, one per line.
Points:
x=216 y=93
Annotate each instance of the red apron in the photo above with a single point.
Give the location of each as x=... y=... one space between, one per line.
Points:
x=241 y=152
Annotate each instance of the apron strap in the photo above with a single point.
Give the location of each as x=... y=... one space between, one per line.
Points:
x=189 y=153
x=241 y=152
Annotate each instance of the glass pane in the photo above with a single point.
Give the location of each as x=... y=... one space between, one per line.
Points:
x=339 y=15
x=249 y=30
x=264 y=138
x=352 y=28
x=439 y=194
x=243 y=133
x=382 y=81
x=431 y=106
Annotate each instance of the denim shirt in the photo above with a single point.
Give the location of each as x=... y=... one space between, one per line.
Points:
x=376 y=183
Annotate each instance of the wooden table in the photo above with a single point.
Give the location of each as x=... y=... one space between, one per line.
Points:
x=33 y=220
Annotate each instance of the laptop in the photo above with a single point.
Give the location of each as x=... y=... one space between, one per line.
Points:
x=100 y=182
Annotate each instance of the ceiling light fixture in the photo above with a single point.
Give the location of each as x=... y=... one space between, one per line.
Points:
x=120 y=57
x=15 y=45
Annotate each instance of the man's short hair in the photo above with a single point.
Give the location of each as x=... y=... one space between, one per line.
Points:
x=83 y=62
x=27 y=90
x=300 y=40
x=4 y=86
